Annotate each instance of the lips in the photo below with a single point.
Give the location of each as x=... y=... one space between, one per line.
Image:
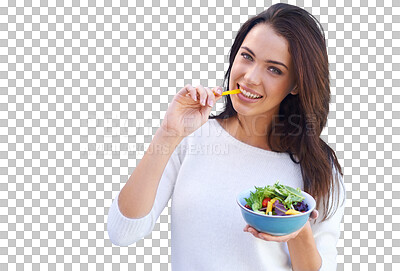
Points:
x=249 y=90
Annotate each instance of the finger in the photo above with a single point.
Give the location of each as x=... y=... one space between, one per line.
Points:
x=314 y=214
x=191 y=91
x=253 y=231
x=217 y=91
x=266 y=237
x=210 y=97
x=246 y=228
x=203 y=94
x=272 y=238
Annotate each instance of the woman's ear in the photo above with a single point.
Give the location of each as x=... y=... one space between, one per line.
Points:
x=294 y=91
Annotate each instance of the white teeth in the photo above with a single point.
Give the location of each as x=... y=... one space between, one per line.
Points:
x=248 y=94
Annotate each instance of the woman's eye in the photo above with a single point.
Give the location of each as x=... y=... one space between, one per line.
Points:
x=246 y=56
x=275 y=70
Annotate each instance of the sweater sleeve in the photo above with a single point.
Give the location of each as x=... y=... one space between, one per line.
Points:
x=124 y=231
x=327 y=233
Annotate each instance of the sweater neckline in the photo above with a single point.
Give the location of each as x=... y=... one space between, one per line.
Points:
x=241 y=144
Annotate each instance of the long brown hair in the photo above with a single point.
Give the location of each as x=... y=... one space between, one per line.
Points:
x=302 y=117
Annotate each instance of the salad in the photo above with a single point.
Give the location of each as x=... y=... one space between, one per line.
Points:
x=277 y=199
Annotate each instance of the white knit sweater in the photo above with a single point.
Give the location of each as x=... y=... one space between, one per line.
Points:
x=203 y=177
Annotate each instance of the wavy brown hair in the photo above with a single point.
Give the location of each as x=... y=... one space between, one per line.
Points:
x=302 y=117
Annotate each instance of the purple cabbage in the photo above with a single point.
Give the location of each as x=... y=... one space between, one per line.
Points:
x=301 y=207
x=280 y=209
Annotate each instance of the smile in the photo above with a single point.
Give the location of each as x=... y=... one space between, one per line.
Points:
x=248 y=94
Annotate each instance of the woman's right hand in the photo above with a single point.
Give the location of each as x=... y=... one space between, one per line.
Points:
x=189 y=110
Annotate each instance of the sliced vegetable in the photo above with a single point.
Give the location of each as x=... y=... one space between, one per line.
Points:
x=292 y=212
x=269 y=207
x=279 y=208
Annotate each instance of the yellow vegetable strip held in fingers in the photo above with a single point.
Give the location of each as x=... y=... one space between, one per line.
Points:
x=235 y=91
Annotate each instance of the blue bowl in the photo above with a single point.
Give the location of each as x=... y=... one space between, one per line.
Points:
x=274 y=225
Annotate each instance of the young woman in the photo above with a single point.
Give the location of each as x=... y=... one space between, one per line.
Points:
x=270 y=131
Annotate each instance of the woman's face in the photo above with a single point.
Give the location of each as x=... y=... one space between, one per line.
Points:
x=262 y=66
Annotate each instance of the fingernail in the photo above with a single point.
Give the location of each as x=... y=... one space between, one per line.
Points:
x=210 y=102
x=203 y=102
x=219 y=91
x=195 y=98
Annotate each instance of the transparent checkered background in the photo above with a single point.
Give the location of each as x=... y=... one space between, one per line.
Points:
x=85 y=84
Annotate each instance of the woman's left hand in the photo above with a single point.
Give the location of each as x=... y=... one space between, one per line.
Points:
x=284 y=238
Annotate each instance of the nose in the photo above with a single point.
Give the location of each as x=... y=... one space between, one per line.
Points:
x=253 y=76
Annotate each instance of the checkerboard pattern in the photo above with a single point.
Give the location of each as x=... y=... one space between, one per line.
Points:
x=85 y=84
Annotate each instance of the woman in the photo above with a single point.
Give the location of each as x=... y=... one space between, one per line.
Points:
x=279 y=59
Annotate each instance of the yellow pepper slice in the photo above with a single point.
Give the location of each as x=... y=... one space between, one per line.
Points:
x=292 y=212
x=269 y=207
x=235 y=91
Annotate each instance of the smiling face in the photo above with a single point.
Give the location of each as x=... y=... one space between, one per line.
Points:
x=262 y=66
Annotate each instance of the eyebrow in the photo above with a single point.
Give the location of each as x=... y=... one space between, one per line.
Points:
x=268 y=60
